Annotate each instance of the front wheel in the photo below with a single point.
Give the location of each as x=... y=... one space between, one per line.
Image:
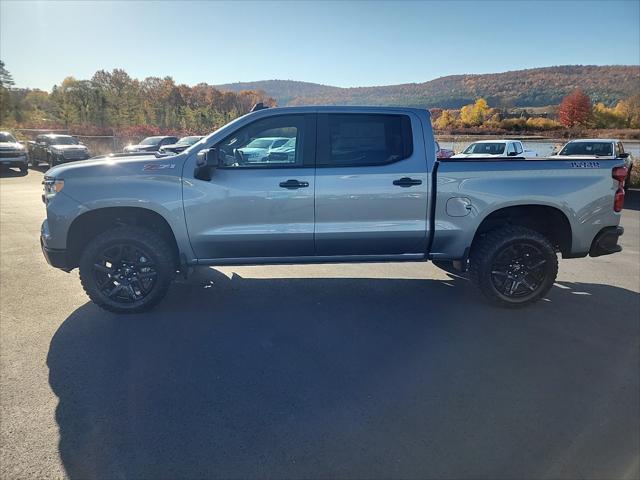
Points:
x=513 y=266
x=127 y=269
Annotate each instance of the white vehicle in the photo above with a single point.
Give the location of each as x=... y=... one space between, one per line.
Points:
x=596 y=149
x=496 y=148
x=258 y=148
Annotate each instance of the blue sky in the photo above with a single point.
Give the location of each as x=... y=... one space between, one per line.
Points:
x=335 y=43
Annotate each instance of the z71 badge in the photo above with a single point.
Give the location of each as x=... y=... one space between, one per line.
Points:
x=158 y=166
x=584 y=164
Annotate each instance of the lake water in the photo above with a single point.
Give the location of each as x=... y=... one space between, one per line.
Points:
x=544 y=148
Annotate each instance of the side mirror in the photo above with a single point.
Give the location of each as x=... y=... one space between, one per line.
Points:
x=206 y=161
x=624 y=155
x=512 y=154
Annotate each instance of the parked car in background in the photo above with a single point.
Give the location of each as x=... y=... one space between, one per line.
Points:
x=596 y=149
x=180 y=145
x=286 y=153
x=443 y=152
x=365 y=186
x=258 y=149
x=496 y=148
x=55 y=149
x=12 y=152
x=151 y=144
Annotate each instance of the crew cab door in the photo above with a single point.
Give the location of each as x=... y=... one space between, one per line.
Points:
x=371 y=184
x=258 y=203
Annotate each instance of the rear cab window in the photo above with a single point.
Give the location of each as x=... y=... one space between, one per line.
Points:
x=358 y=140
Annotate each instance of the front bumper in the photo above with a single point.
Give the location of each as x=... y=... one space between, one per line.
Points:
x=54 y=256
x=606 y=241
x=20 y=161
x=61 y=159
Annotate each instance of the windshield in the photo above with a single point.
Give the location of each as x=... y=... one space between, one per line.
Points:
x=188 y=140
x=486 y=148
x=151 y=141
x=64 y=141
x=601 y=149
x=7 y=137
x=260 y=143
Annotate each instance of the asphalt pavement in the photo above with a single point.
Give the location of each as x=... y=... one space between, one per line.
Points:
x=321 y=371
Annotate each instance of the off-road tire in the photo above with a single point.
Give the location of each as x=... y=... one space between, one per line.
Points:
x=158 y=251
x=495 y=243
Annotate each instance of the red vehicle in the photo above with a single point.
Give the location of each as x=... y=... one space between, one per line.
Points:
x=443 y=152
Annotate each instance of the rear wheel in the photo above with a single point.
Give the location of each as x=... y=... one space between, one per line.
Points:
x=127 y=269
x=514 y=266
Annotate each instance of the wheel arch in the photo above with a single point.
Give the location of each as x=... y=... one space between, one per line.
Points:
x=550 y=221
x=88 y=225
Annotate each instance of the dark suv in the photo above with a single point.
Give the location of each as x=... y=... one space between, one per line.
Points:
x=55 y=149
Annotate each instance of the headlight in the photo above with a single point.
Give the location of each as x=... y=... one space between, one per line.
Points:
x=52 y=186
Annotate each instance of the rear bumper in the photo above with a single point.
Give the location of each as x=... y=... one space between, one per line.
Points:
x=606 y=241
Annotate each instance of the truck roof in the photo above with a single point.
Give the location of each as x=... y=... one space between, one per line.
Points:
x=497 y=140
x=579 y=140
x=342 y=108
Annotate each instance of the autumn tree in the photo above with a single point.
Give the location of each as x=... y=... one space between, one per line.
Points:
x=6 y=82
x=476 y=114
x=445 y=120
x=629 y=111
x=575 y=109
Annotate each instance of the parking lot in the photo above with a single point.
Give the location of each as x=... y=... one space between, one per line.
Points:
x=323 y=371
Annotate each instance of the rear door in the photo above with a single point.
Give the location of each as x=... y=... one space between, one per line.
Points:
x=371 y=184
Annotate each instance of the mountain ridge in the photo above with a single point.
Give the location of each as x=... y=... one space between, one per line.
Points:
x=534 y=87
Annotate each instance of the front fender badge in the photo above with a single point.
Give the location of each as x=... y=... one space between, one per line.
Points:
x=157 y=166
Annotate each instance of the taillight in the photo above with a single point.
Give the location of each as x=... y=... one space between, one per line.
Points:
x=619 y=174
x=618 y=200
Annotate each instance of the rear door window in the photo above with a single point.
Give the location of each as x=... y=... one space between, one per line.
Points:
x=357 y=140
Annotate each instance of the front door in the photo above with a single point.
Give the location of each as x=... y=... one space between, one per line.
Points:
x=371 y=185
x=259 y=202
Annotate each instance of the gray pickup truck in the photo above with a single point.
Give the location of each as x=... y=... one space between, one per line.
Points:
x=355 y=184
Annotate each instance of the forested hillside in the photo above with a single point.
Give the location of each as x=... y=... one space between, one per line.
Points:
x=522 y=88
x=114 y=101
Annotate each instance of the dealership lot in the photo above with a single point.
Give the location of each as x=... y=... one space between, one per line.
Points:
x=376 y=371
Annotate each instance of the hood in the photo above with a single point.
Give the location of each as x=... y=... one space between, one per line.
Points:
x=68 y=147
x=104 y=166
x=253 y=150
x=583 y=157
x=176 y=145
x=140 y=147
x=477 y=155
x=11 y=146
